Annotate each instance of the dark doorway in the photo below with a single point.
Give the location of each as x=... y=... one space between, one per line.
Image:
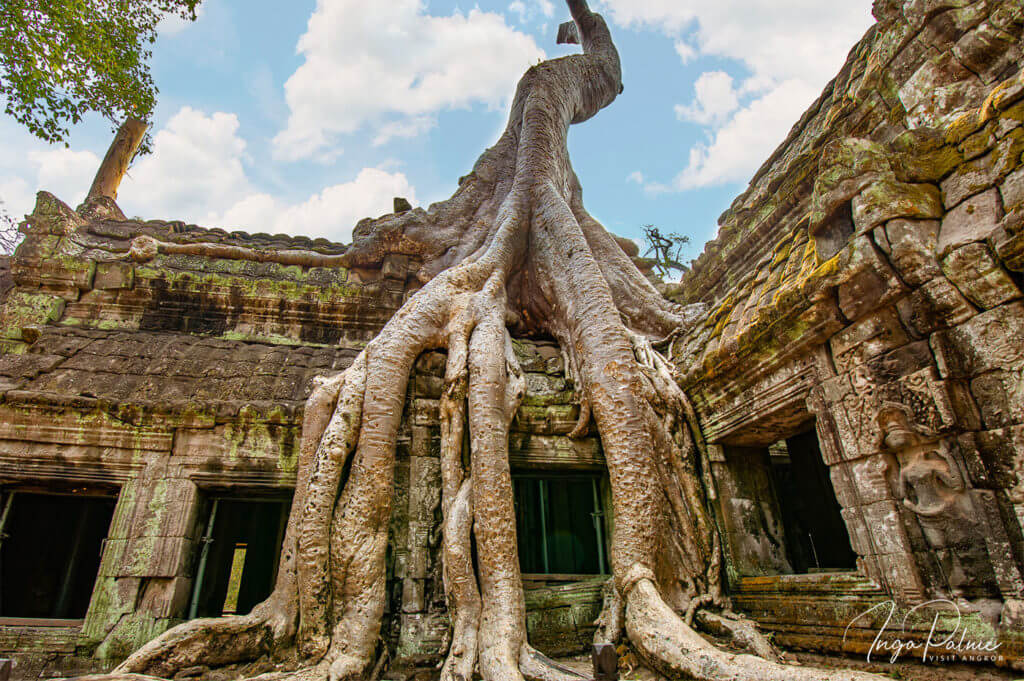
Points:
x=816 y=536
x=51 y=552
x=237 y=561
x=560 y=525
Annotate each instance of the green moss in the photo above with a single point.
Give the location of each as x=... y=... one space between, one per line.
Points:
x=23 y=309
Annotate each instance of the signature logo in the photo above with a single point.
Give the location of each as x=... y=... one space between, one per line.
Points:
x=949 y=637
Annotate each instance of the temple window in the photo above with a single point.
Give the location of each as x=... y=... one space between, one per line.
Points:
x=780 y=509
x=560 y=524
x=51 y=550
x=236 y=563
x=816 y=536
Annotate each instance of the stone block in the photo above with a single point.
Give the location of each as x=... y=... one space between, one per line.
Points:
x=935 y=305
x=901 y=573
x=973 y=220
x=867 y=281
x=886 y=526
x=413 y=596
x=22 y=309
x=993 y=340
x=432 y=363
x=1000 y=398
x=985 y=171
x=858 y=532
x=876 y=333
x=424 y=489
x=987 y=51
x=903 y=361
x=1012 y=190
x=939 y=89
x=1002 y=452
x=888 y=199
x=111 y=276
x=1008 y=244
x=395 y=267
x=912 y=249
x=425 y=385
x=974 y=270
x=421 y=638
x=868 y=476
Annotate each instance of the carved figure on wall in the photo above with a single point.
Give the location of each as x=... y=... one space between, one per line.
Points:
x=929 y=482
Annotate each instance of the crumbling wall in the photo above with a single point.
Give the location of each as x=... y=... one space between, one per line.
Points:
x=870 y=278
x=169 y=378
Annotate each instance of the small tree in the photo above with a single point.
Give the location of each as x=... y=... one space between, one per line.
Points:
x=9 y=236
x=61 y=60
x=666 y=249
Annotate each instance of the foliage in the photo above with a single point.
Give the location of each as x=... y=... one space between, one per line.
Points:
x=9 y=236
x=666 y=249
x=60 y=59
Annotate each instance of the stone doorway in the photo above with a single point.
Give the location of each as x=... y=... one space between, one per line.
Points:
x=238 y=555
x=52 y=545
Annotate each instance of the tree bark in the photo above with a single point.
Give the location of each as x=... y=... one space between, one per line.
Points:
x=513 y=250
x=120 y=154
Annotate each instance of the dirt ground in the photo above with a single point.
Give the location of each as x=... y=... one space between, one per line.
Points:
x=906 y=671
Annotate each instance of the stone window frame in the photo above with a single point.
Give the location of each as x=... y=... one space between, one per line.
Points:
x=62 y=486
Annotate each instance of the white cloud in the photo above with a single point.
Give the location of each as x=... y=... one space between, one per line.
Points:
x=532 y=9
x=715 y=99
x=332 y=212
x=196 y=165
x=173 y=24
x=635 y=177
x=789 y=49
x=16 y=197
x=686 y=52
x=197 y=173
x=32 y=165
x=367 y=63
x=403 y=128
x=64 y=172
x=742 y=144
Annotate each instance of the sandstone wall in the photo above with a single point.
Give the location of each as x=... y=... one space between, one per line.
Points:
x=169 y=378
x=870 y=279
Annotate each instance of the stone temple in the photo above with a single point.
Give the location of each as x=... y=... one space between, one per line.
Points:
x=859 y=383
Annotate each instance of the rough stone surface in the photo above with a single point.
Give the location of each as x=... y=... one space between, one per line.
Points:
x=865 y=288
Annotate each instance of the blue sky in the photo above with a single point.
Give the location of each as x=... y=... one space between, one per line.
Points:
x=303 y=117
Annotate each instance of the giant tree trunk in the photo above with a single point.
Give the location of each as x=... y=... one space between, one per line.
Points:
x=117 y=159
x=512 y=250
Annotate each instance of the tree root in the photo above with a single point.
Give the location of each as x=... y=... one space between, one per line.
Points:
x=514 y=247
x=743 y=633
x=668 y=645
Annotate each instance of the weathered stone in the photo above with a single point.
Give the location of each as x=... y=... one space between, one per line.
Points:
x=912 y=246
x=1012 y=190
x=988 y=341
x=846 y=167
x=887 y=199
x=395 y=267
x=1000 y=398
x=113 y=276
x=972 y=220
x=974 y=270
x=934 y=305
x=867 y=281
x=984 y=172
x=923 y=155
x=1002 y=451
x=939 y=90
x=987 y=51
x=1007 y=241
x=879 y=332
